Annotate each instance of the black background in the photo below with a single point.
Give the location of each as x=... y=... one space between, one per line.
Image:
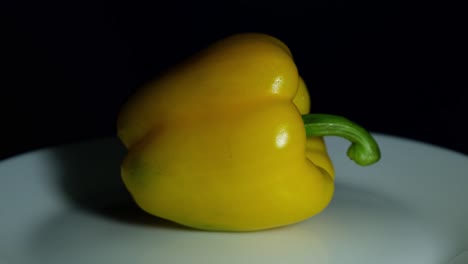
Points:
x=67 y=68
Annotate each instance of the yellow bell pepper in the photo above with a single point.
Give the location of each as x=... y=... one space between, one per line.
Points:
x=221 y=141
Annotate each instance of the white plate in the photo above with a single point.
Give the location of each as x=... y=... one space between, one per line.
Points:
x=61 y=205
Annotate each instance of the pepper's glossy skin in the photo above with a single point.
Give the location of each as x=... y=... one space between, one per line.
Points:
x=218 y=143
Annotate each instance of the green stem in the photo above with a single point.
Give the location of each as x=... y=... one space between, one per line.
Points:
x=364 y=150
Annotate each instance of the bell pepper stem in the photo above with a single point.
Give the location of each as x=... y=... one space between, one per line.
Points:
x=364 y=150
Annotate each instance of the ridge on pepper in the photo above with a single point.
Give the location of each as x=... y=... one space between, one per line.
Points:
x=224 y=141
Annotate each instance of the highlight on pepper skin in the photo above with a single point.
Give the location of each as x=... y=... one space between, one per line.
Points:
x=282 y=138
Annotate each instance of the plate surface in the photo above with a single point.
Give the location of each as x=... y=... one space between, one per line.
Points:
x=67 y=205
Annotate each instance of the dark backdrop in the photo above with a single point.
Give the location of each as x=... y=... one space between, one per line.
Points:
x=68 y=68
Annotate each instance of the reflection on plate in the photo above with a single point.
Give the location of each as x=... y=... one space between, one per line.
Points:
x=67 y=205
